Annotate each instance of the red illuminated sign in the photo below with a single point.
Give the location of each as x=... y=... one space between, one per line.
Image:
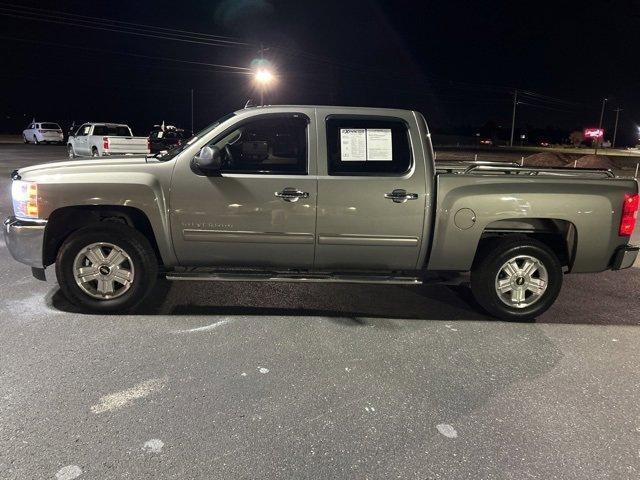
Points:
x=593 y=133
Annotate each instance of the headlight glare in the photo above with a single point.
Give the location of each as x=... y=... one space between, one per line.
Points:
x=25 y=199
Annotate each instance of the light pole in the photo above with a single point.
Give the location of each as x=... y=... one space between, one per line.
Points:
x=513 y=117
x=604 y=101
x=615 y=129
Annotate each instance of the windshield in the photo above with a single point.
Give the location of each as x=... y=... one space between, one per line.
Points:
x=168 y=155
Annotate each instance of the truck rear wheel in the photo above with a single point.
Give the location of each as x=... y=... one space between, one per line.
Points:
x=108 y=267
x=516 y=278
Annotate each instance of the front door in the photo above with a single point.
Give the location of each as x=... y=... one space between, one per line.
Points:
x=81 y=142
x=371 y=193
x=261 y=211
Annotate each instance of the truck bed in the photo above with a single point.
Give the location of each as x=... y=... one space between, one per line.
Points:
x=479 y=198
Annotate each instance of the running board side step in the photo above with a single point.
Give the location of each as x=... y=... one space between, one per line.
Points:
x=292 y=277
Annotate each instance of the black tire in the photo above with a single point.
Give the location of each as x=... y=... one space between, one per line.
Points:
x=488 y=265
x=94 y=152
x=25 y=139
x=128 y=239
x=70 y=151
x=35 y=140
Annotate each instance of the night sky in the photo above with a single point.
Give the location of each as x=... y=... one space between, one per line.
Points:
x=456 y=61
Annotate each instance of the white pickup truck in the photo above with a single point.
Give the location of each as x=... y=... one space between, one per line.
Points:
x=102 y=139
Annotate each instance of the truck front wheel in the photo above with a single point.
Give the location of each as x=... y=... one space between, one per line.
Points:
x=107 y=267
x=516 y=278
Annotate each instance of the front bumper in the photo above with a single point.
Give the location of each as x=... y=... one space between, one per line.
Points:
x=625 y=257
x=25 y=240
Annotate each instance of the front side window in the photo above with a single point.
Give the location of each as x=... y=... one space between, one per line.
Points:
x=83 y=130
x=273 y=144
x=367 y=146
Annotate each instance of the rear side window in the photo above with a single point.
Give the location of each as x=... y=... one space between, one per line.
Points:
x=119 y=131
x=367 y=146
x=99 y=130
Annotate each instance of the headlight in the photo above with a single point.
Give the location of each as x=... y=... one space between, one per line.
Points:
x=25 y=199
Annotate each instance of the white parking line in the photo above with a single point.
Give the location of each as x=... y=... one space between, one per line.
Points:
x=115 y=401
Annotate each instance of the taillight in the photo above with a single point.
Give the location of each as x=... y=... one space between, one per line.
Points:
x=105 y=143
x=629 y=214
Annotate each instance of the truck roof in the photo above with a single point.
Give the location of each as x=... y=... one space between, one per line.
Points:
x=336 y=107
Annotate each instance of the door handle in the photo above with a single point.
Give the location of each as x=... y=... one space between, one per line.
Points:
x=400 y=196
x=291 y=194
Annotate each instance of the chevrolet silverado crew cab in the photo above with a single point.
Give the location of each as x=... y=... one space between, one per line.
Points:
x=308 y=194
x=101 y=139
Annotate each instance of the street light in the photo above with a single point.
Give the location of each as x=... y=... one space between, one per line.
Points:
x=263 y=78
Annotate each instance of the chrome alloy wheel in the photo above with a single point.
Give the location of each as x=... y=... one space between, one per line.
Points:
x=103 y=271
x=521 y=281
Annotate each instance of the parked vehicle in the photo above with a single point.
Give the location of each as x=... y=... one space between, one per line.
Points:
x=164 y=139
x=307 y=194
x=43 y=132
x=101 y=139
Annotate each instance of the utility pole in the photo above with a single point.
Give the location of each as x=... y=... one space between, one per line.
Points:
x=615 y=129
x=192 y=132
x=513 y=118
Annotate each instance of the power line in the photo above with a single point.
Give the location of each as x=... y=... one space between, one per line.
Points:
x=54 y=13
x=115 y=30
x=243 y=70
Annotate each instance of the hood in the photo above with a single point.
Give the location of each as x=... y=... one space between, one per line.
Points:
x=79 y=166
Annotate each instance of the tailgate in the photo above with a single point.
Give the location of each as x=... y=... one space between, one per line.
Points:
x=122 y=145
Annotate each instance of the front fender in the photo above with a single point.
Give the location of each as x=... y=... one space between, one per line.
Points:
x=140 y=190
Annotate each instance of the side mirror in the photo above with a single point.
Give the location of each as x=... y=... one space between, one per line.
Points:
x=208 y=160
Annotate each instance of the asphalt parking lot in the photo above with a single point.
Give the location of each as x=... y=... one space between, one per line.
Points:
x=253 y=380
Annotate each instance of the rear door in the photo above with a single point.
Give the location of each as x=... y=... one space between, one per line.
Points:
x=372 y=191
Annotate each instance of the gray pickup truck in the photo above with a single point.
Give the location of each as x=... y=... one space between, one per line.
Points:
x=317 y=194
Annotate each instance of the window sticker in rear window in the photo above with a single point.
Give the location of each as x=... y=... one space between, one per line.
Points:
x=353 y=144
x=366 y=144
x=379 y=145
